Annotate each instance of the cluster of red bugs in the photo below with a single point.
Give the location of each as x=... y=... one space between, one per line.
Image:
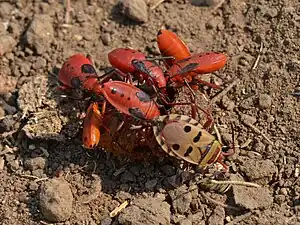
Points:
x=128 y=118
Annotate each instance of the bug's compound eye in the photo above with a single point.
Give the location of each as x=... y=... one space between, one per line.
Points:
x=225 y=148
x=137 y=113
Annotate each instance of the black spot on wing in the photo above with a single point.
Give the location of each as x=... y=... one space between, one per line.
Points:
x=76 y=82
x=88 y=68
x=140 y=66
x=188 y=151
x=197 y=138
x=137 y=113
x=187 y=128
x=143 y=97
x=176 y=147
x=190 y=67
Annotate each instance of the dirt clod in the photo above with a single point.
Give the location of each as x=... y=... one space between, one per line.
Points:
x=259 y=37
x=35 y=163
x=218 y=216
x=181 y=199
x=106 y=38
x=147 y=212
x=265 y=101
x=135 y=9
x=258 y=170
x=252 y=198
x=40 y=33
x=227 y=103
x=7 y=43
x=56 y=200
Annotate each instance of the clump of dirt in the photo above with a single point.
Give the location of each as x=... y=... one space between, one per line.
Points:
x=41 y=131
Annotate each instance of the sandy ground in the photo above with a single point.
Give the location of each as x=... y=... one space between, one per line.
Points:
x=41 y=132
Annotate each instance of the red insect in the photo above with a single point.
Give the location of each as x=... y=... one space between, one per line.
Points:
x=91 y=126
x=129 y=61
x=77 y=69
x=170 y=44
x=189 y=68
x=78 y=72
x=128 y=99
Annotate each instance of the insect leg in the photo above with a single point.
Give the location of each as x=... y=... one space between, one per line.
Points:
x=215 y=86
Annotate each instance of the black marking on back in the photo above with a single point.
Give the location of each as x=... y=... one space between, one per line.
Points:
x=190 y=67
x=143 y=97
x=137 y=113
x=188 y=151
x=76 y=82
x=159 y=32
x=184 y=60
x=88 y=68
x=187 y=128
x=197 y=138
x=176 y=147
x=140 y=66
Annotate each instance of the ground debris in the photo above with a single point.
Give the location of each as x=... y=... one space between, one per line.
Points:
x=257 y=170
x=56 y=200
x=136 y=10
x=251 y=197
x=181 y=199
x=146 y=211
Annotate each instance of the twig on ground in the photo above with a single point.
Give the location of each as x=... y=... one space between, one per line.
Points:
x=235 y=182
x=68 y=9
x=238 y=219
x=258 y=56
x=218 y=133
x=118 y=209
x=218 y=203
x=224 y=92
x=258 y=131
x=154 y=3
x=36 y=179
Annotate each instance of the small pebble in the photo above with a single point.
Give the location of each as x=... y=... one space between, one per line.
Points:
x=14 y=165
x=181 y=199
x=7 y=43
x=39 y=63
x=227 y=103
x=248 y=119
x=56 y=200
x=151 y=184
x=33 y=186
x=106 y=38
x=35 y=163
x=135 y=9
x=106 y=221
x=265 y=101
